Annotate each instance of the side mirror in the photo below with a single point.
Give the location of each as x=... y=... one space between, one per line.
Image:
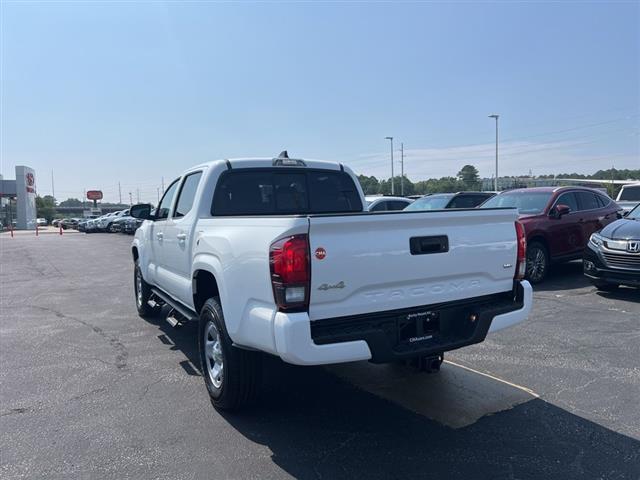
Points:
x=560 y=210
x=141 y=211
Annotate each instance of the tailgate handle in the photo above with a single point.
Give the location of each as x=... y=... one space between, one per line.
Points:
x=425 y=245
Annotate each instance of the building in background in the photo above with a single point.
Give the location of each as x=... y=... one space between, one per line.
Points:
x=18 y=199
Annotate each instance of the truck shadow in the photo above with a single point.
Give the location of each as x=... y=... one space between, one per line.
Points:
x=317 y=425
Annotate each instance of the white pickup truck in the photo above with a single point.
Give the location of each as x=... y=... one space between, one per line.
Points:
x=278 y=255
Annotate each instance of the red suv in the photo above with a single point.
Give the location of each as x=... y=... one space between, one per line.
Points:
x=558 y=222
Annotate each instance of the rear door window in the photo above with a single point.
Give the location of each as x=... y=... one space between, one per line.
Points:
x=569 y=199
x=587 y=201
x=187 y=194
x=284 y=191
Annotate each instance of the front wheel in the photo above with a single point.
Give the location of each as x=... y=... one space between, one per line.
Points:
x=231 y=374
x=537 y=262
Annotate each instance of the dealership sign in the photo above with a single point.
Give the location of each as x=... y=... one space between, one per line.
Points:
x=94 y=194
x=30 y=182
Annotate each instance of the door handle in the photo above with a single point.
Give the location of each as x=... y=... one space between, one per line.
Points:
x=181 y=236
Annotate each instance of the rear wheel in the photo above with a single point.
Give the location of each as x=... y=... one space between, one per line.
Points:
x=231 y=374
x=143 y=294
x=537 y=262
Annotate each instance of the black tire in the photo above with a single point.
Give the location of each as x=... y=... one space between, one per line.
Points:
x=537 y=262
x=606 y=287
x=236 y=383
x=142 y=292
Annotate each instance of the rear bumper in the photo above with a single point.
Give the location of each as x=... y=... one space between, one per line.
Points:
x=387 y=336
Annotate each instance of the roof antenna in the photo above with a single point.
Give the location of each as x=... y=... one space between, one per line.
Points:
x=283 y=154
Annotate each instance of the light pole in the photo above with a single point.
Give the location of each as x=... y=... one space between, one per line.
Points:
x=402 y=168
x=392 y=182
x=495 y=180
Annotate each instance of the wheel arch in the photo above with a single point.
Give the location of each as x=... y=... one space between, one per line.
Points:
x=204 y=285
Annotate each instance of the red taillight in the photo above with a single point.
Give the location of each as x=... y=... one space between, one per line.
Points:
x=290 y=272
x=521 y=262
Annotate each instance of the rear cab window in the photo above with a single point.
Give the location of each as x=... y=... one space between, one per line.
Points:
x=281 y=191
x=187 y=194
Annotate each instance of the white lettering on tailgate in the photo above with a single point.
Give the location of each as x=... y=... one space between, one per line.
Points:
x=434 y=289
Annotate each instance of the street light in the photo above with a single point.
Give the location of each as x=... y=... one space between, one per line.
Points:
x=495 y=180
x=392 y=182
x=402 y=169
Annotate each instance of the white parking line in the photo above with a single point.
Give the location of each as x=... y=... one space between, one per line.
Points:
x=511 y=384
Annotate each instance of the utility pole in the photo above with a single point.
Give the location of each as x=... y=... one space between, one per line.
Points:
x=119 y=194
x=53 y=189
x=496 y=116
x=392 y=179
x=402 y=168
x=130 y=199
x=158 y=192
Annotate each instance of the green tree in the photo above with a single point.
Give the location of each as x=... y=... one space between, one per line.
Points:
x=469 y=177
x=71 y=202
x=370 y=185
x=45 y=207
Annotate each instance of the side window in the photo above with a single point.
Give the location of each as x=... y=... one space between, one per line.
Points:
x=379 y=207
x=604 y=201
x=463 y=201
x=187 y=194
x=167 y=199
x=396 y=205
x=568 y=199
x=588 y=201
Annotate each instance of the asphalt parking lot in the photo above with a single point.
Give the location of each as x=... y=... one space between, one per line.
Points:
x=90 y=390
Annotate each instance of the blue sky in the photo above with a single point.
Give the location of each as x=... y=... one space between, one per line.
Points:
x=132 y=92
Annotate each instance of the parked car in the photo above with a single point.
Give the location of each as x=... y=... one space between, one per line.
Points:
x=105 y=223
x=629 y=196
x=118 y=224
x=612 y=256
x=440 y=201
x=41 y=222
x=381 y=203
x=279 y=255
x=90 y=225
x=558 y=222
x=69 y=223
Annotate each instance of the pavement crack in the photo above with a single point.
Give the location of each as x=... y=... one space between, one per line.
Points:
x=116 y=344
x=147 y=387
x=15 y=411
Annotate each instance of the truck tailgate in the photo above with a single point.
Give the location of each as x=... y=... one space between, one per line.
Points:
x=375 y=262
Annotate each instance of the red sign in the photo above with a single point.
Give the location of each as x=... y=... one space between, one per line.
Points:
x=320 y=253
x=94 y=194
x=30 y=182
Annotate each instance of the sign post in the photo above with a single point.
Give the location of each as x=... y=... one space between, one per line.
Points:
x=94 y=195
